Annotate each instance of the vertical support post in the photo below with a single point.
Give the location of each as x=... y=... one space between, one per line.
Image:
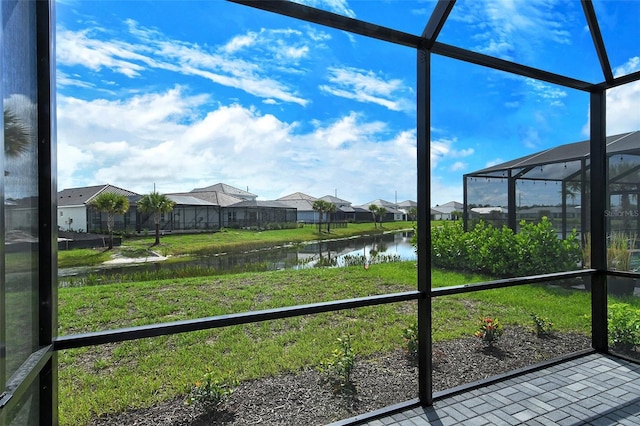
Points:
x=511 y=202
x=585 y=202
x=563 y=192
x=3 y=323
x=598 y=228
x=465 y=204
x=425 y=381
x=47 y=197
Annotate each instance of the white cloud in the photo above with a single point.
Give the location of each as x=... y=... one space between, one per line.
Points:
x=632 y=65
x=82 y=48
x=170 y=145
x=442 y=149
x=506 y=27
x=340 y=7
x=553 y=95
x=97 y=49
x=458 y=166
x=623 y=103
x=366 y=86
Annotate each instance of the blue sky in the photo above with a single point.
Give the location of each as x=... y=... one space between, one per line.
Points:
x=187 y=94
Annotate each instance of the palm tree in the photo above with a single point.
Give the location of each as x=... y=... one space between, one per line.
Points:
x=157 y=204
x=111 y=204
x=329 y=208
x=320 y=207
x=381 y=212
x=16 y=134
x=374 y=211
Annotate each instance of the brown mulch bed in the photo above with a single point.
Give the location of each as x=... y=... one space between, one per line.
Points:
x=307 y=399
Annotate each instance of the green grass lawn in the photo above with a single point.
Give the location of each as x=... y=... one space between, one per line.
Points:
x=117 y=377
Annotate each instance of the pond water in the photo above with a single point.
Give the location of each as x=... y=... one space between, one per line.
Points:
x=324 y=253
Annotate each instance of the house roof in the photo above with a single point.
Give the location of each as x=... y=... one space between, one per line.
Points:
x=408 y=203
x=448 y=207
x=297 y=196
x=189 y=200
x=227 y=189
x=257 y=203
x=555 y=163
x=335 y=200
x=214 y=197
x=391 y=208
x=381 y=203
x=82 y=196
x=299 y=204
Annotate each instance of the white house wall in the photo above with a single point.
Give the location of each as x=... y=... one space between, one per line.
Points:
x=72 y=218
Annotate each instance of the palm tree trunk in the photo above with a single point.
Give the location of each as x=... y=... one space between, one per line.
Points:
x=157 y=234
x=110 y=228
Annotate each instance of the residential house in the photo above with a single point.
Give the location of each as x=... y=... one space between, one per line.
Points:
x=223 y=188
x=260 y=214
x=76 y=214
x=344 y=212
x=189 y=213
x=405 y=207
x=448 y=211
x=392 y=213
x=303 y=204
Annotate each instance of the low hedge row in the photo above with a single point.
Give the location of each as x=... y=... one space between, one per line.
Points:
x=535 y=249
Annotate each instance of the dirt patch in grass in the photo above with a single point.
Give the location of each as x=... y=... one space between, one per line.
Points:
x=306 y=398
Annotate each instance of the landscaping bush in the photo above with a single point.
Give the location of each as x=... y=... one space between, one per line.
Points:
x=536 y=249
x=624 y=327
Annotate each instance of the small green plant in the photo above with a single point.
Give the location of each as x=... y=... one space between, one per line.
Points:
x=410 y=335
x=624 y=326
x=210 y=390
x=489 y=330
x=340 y=364
x=542 y=326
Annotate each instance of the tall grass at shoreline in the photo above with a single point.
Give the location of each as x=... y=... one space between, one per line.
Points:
x=227 y=240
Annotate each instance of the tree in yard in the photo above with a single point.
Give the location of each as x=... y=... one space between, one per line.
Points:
x=413 y=213
x=319 y=206
x=329 y=208
x=111 y=204
x=156 y=204
x=322 y=207
x=381 y=212
x=374 y=211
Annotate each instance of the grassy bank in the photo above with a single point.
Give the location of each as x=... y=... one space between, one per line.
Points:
x=122 y=376
x=219 y=242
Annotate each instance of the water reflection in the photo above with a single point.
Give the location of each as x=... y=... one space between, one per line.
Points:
x=325 y=253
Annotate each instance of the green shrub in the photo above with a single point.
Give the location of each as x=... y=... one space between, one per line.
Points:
x=210 y=390
x=340 y=364
x=624 y=326
x=410 y=335
x=486 y=249
x=489 y=330
x=542 y=326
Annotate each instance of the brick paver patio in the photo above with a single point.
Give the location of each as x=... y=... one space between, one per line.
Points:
x=591 y=390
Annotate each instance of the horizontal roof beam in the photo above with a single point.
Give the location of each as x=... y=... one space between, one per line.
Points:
x=619 y=81
x=334 y=20
x=351 y=25
x=510 y=67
